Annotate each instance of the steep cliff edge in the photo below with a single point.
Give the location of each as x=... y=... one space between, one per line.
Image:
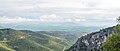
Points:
x=92 y=41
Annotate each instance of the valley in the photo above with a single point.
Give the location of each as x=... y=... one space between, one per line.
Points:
x=26 y=40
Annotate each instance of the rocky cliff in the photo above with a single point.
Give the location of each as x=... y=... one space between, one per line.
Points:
x=92 y=41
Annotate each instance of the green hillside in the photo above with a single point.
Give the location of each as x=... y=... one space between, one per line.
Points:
x=26 y=40
x=70 y=37
x=113 y=41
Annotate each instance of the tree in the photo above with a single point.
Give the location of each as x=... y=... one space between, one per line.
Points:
x=113 y=41
x=118 y=19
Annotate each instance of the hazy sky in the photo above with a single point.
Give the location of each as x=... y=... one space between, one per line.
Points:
x=84 y=12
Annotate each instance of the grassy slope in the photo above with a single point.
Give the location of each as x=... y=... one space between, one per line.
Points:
x=3 y=47
x=30 y=41
x=69 y=37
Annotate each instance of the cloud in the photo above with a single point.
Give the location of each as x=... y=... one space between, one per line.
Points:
x=52 y=18
x=109 y=4
x=55 y=18
x=5 y=19
x=29 y=4
x=59 y=10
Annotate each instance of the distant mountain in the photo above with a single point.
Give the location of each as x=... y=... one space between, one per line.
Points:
x=26 y=40
x=1 y=27
x=92 y=41
x=53 y=27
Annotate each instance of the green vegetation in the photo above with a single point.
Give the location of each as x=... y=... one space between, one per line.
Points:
x=25 y=40
x=118 y=19
x=113 y=41
x=3 y=47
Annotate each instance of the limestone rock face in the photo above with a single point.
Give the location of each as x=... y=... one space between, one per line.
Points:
x=92 y=41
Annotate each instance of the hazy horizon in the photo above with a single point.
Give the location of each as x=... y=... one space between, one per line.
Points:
x=51 y=14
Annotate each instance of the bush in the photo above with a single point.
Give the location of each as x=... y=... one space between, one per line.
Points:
x=113 y=41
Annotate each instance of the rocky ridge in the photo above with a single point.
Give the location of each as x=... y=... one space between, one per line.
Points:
x=92 y=41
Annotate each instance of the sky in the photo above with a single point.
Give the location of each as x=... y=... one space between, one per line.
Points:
x=82 y=12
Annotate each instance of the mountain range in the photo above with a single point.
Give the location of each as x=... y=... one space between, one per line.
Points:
x=26 y=40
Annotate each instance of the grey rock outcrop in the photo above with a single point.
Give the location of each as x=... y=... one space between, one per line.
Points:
x=92 y=41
